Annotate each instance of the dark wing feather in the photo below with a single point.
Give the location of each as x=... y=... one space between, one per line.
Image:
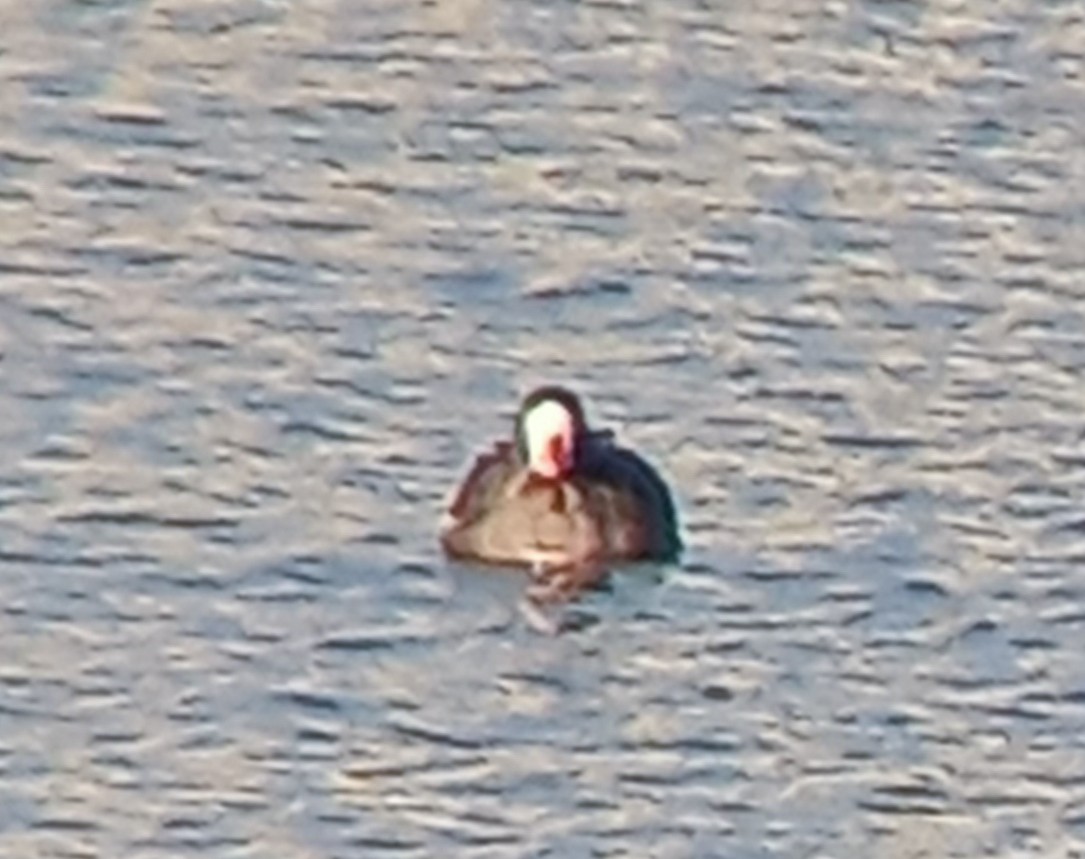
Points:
x=638 y=489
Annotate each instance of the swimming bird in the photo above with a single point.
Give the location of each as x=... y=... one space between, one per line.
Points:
x=561 y=499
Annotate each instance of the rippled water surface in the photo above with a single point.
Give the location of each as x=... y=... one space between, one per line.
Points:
x=271 y=272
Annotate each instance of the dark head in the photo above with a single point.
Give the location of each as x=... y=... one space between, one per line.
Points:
x=548 y=427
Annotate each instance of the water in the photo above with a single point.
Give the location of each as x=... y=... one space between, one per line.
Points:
x=270 y=273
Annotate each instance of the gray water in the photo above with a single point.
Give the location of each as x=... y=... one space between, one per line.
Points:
x=270 y=273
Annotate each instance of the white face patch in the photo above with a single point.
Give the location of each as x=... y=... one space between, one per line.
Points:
x=548 y=431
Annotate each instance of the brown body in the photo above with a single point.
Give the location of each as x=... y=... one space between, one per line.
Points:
x=612 y=506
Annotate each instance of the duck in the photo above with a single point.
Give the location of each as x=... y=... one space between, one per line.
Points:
x=561 y=499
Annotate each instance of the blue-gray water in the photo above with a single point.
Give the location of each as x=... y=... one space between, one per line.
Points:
x=271 y=272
